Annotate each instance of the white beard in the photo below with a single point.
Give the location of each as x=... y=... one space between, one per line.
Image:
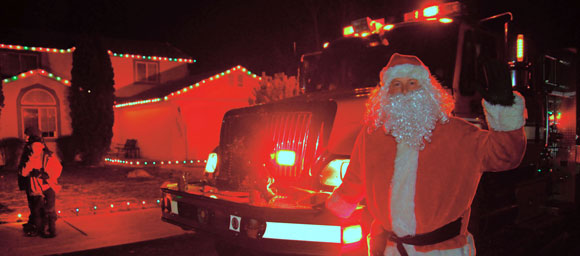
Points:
x=411 y=118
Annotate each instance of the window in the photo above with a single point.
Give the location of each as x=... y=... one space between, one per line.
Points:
x=12 y=63
x=146 y=71
x=38 y=109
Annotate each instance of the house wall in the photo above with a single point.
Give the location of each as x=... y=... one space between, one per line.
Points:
x=58 y=63
x=11 y=126
x=157 y=128
x=204 y=109
x=185 y=127
x=124 y=69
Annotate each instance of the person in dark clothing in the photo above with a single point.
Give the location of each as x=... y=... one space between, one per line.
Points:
x=32 y=135
x=44 y=169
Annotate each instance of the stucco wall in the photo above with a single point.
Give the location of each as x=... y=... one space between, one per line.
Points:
x=58 y=63
x=157 y=128
x=124 y=69
x=186 y=127
x=11 y=126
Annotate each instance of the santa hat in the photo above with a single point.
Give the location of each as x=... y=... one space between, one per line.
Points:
x=408 y=66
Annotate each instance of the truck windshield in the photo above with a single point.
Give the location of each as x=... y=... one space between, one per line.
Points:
x=350 y=63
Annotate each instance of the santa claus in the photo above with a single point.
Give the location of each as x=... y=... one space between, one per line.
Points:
x=418 y=167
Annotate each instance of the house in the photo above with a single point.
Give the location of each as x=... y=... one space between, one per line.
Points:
x=35 y=81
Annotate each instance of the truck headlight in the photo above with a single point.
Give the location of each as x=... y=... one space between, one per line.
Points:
x=212 y=160
x=254 y=228
x=285 y=157
x=333 y=172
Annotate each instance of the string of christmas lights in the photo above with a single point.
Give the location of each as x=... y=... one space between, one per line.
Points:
x=138 y=102
x=111 y=207
x=69 y=50
x=36 y=49
x=157 y=58
x=40 y=72
x=192 y=86
x=150 y=162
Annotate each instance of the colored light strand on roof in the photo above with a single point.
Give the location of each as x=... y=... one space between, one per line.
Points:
x=138 y=102
x=69 y=50
x=39 y=72
x=213 y=78
x=192 y=86
x=157 y=58
x=35 y=49
x=153 y=162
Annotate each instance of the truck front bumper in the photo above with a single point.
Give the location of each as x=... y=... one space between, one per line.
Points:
x=266 y=229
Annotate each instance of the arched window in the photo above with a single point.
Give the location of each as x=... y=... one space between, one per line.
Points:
x=38 y=108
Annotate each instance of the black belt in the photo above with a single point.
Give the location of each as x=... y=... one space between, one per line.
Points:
x=439 y=235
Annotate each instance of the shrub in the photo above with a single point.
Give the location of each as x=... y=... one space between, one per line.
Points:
x=274 y=88
x=10 y=150
x=66 y=149
x=91 y=98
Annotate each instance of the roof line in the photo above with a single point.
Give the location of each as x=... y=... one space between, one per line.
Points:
x=69 y=50
x=41 y=72
x=188 y=88
x=36 y=49
x=135 y=56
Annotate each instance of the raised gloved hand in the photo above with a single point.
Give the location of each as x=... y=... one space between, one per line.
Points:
x=494 y=82
x=43 y=175
x=34 y=173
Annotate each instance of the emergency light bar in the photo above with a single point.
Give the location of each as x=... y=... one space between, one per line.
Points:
x=363 y=27
x=439 y=12
x=520 y=48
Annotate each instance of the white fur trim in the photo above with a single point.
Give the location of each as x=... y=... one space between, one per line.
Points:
x=403 y=190
x=406 y=70
x=467 y=250
x=339 y=206
x=505 y=118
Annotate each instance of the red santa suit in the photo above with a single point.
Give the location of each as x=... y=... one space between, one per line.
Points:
x=410 y=191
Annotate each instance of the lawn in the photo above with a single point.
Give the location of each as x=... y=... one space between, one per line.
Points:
x=85 y=188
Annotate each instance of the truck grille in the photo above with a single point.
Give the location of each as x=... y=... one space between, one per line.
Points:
x=249 y=140
x=290 y=131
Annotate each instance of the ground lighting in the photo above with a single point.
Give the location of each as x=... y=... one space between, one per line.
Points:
x=77 y=210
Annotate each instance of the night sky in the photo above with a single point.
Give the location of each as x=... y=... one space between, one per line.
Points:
x=259 y=34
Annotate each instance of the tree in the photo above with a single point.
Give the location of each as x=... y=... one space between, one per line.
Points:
x=1 y=97
x=91 y=98
x=274 y=88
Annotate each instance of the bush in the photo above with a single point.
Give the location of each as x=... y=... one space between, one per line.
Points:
x=274 y=88
x=66 y=149
x=10 y=151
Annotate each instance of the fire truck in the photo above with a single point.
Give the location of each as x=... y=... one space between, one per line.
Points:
x=276 y=162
